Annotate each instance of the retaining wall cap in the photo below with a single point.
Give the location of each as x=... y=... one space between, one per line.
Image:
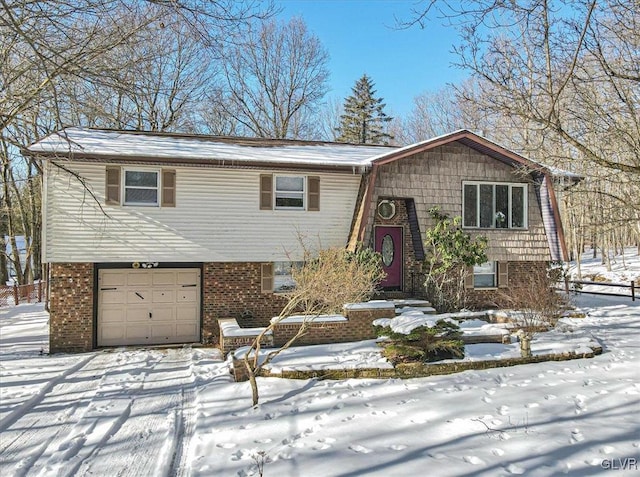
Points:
x=309 y=318
x=371 y=305
x=229 y=327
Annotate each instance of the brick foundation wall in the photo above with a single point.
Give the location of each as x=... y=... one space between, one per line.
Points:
x=357 y=327
x=233 y=290
x=519 y=272
x=71 y=308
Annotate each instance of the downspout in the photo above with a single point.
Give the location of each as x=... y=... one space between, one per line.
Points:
x=556 y=215
x=367 y=202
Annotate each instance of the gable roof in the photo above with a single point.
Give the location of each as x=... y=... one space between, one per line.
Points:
x=469 y=139
x=552 y=221
x=105 y=144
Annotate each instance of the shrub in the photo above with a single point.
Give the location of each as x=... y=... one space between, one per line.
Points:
x=423 y=343
x=537 y=304
x=450 y=253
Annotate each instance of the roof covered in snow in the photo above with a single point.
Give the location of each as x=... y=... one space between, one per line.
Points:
x=97 y=143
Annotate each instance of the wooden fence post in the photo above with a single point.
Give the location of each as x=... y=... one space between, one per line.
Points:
x=40 y=291
x=633 y=291
x=16 y=296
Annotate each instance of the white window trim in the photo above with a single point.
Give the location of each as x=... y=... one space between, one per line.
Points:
x=493 y=227
x=495 y=277
x=158 y=187
x=303 y=192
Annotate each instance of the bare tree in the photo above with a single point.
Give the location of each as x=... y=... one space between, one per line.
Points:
x=152 y=82
x=98 y=62
x=274 y=79
x=560 y=83
x=327 y=120
x=326 y=281
x=571 y=71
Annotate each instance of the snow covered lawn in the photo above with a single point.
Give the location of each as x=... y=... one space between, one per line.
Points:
x=178 y=412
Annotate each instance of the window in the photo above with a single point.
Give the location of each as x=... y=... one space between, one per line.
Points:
x=498 y=206
x=484 y=276
x=289 y=192
x=282 y=276
x=488 y=275
x=141 y=188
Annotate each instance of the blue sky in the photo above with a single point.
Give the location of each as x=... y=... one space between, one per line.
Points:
x=360 y=38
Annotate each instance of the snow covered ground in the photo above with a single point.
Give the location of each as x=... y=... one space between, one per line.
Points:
x=143 y=412
x=624 y=269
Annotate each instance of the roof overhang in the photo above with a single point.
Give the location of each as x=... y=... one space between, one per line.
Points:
x=197 y=162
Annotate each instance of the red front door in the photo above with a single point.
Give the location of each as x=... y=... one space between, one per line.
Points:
x=388 y=242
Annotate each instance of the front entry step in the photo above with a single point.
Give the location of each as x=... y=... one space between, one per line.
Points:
x=404 y=305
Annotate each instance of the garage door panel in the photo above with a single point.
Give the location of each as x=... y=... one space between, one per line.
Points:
x=112 y=297
x=112 y=315
x=163 y=314
x=191 y=277
x=138 y=278
x=164 y=296
x=186 y=313
x=139 y=296
x=148 y=306
x=113 y=332
x=138 y=332
x=135 y=313
x=187 y=295
x=164 y=278
x=163 y=331
x=111 y=278
x=186 y=329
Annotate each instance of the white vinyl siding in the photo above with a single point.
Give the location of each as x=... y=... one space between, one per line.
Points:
x=494 y=205
x=216 y=219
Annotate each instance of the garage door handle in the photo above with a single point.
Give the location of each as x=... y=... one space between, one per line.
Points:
x=141 y=297
x=106 y=289
x=150 y=315
x=187 y=286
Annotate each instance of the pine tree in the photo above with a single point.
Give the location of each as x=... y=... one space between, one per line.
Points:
x=364 y=117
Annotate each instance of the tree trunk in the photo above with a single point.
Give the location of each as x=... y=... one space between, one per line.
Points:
x=255 y=398
x=525 y=347
x=4 y=272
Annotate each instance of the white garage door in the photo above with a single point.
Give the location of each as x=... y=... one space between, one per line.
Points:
x=148 y=306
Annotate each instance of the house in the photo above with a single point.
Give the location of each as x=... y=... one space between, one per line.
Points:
x=151 y=237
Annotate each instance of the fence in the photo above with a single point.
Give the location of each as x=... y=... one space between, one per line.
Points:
x=16 y=294
x=576 y=287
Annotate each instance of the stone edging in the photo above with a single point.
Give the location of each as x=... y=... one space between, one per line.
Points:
x=415 y=370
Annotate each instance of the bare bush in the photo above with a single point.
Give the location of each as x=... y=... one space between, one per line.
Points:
x=326 y=281
x=537 y=305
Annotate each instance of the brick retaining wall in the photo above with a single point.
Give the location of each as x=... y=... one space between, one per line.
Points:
x=357 y=327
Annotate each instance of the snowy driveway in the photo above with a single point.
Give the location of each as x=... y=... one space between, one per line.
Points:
x=177 y=412
x=121 y=412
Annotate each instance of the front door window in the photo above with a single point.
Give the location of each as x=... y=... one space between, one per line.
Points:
x=387 y=250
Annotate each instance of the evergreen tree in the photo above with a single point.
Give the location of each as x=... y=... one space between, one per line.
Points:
x=364 y=118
